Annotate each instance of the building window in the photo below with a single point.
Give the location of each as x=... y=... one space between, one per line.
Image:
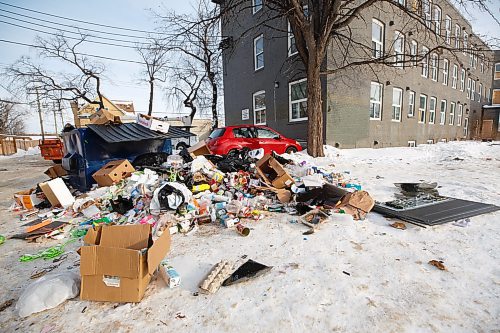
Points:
x=447 y=26
x=256 y=6
x=401 y=2
x=457 y=36
x=451 y=121
x=482 y=63
x=397 y=100
x=298 y=100
x=425 y=62
x=466 y=127
x=411 y=104
x=469 y=83
x=432 y=110
x=462 y=80
x=259 y=108
x=446 y=69
x=377 y=39
x=480 y=92
x=426 y=11
x=460 y=114
x=497 y=71
x=466 y=40
x=495 y=97
x=422 y=108
x=413 y=52
x=473 y=90
x=376 y=100
x=258 y=51
x=292 y=48
x=442 y=112
x=437 y=20
x=454 y=77
x=399 y=49
x=474 y=59
x=434 y=67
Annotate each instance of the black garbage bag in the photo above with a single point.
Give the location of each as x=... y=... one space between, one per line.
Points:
x=122 y=205
x=150 y=160
x=234 y=161
x=249 y=270
x=186 y=156
x=43 y=205
x=172 y=195
x=280 y=159
x=327 y=195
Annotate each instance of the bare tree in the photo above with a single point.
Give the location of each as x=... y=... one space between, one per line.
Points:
x=154 y=54
x=196 y=36
x=11 y=118
x=84 y=81
x=318 y=24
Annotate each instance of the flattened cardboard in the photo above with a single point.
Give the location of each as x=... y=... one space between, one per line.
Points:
x=57 y=193
x=198 y=149
x=357 y=204
x=273 y=173
x=56 y=171
x=118 y=274
x=134 y=236
x=37 y=224
x=113 y=172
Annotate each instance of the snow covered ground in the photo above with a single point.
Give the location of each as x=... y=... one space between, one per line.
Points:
x=347 y=277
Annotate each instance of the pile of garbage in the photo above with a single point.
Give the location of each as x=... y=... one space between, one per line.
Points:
x=133 y=211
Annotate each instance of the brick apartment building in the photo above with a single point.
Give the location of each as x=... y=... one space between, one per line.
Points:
x=437 y=99
x=488 y=125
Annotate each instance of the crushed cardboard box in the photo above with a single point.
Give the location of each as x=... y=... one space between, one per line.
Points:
x=57 y=193
x=113 y=172
x=103 y=117
x=152 y=123
x=27 y=199
x=273 y=173
x=119 y=261
x=357 y=204
x=56 y=171
x=198 y=149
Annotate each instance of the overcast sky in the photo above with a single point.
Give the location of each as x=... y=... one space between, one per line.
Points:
x=121 y=80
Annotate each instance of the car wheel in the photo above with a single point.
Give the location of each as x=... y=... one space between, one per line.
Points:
x=290 y=150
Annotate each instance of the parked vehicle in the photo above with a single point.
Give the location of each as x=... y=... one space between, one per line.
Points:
x=222 y=140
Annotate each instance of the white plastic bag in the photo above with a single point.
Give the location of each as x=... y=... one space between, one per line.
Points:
x=48 y=292
x=256 y=153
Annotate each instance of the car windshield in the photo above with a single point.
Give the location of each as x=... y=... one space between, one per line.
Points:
x=218 y=132
x=243 y=132
x=265 y=133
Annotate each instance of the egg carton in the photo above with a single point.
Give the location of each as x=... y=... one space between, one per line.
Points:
x=216 y=277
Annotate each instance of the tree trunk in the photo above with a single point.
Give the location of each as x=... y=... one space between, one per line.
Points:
x=151 y=91
x=314 y=109
x=215 y=116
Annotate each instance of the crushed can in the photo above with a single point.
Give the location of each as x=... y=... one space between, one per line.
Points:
x=242 y=230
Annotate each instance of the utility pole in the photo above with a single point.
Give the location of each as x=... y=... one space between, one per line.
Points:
x=40 y=114
x=54 y=111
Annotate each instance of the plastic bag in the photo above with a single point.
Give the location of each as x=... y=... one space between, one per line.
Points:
x=48 y=292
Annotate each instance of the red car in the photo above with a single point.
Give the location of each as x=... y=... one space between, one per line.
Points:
x=222 y=140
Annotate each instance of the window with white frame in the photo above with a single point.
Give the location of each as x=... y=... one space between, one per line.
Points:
x=434 y=67
x=397 y=100
x=426 y=12
x=480 y=92
x=462 y=80
x=442 y=112
x=482 y=63
x=457 y=36
x=432 y=110
x=474 y=59
x=399 y=49
x=454 y=77
x=256 y=6
x=466 y=127
x=469 y=83
x=466 y=41
x=437 y=20
x=413 y=52
x=497 y=71
x=473 y=90
x=292 y=48
x=460 y=115
x=446 y=70
x=259 y=108
x=258 y=51
x=377 y=38
x=297 y=92
x=425 y=62
x=422 y=106
x=451 y=120
x=376 y=100
x=411 y=104
x=447 y=26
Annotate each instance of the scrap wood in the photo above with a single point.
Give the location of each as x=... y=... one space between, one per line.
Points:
x=438 y=263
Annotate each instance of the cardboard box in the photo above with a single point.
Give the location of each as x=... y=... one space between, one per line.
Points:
x=152 y=123
x=198 y=149
x=273 y=173
x=103 y=117
x=119 y=262
x=56 y=171
x=357 y=204
x=27 y=199
x=113 y=172
x=57 y=193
